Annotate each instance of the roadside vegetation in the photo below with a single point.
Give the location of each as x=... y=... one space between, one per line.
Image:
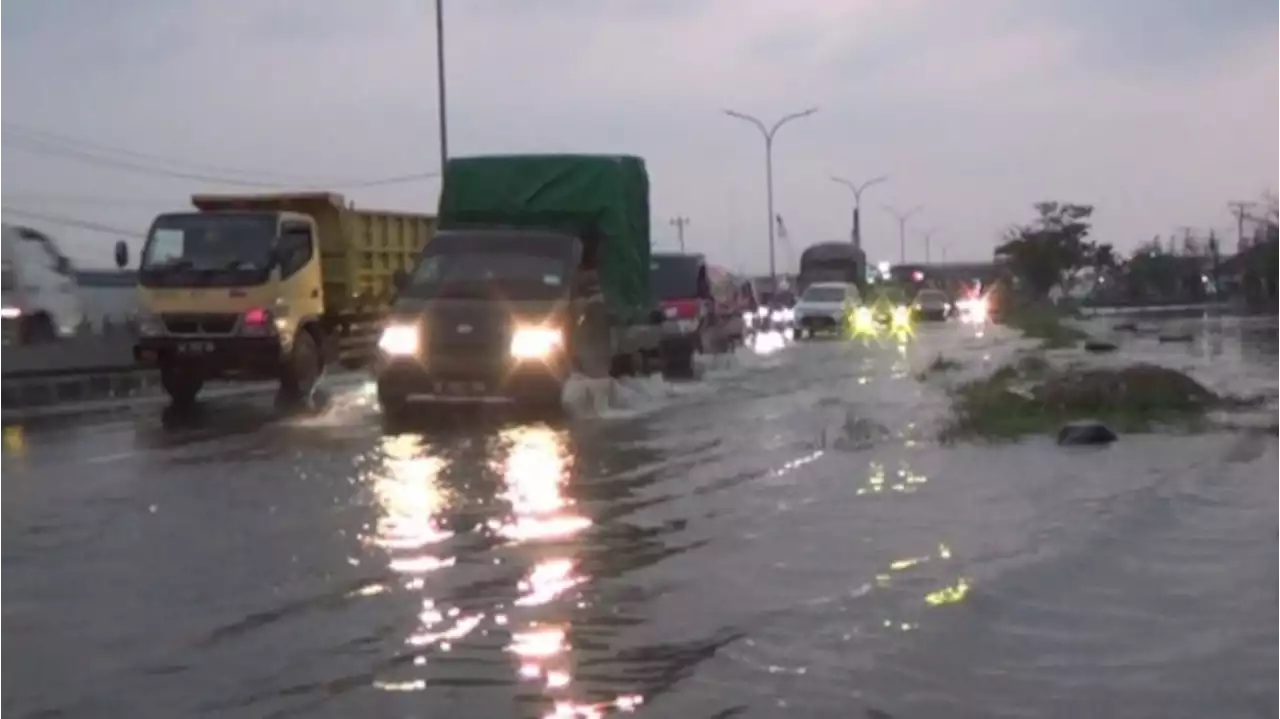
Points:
x=1032 y=397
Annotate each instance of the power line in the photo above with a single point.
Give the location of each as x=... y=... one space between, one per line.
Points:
x=66 y=221
x=91 y=153
x=61 y=199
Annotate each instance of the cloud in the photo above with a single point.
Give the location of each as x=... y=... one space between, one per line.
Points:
x=975 y=109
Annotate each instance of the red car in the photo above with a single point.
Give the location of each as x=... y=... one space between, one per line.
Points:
x=699 y=303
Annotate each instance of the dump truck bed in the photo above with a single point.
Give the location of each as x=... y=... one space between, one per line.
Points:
x=579 y=194
x=360 y=250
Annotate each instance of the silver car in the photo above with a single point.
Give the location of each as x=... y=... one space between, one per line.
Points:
x=931 y=305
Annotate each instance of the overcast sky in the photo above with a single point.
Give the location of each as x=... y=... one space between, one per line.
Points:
x=1156 y=111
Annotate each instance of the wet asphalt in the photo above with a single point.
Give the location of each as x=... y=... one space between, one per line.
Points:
x=782 y=535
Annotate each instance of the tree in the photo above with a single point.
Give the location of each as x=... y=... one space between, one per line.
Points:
x=1048 y=251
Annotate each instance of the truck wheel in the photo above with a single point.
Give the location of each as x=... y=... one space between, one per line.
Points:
x=301 y=372
x=181 y=386
x=394 y=405
x=677 y=359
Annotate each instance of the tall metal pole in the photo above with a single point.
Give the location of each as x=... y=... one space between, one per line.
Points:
x=928 y=244
x=768 y=133
x=902 y=218
x=440 y=86
x=857 y=189
x=679 y=223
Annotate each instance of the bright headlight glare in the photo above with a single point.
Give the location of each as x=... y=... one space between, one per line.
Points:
x=863 y=316
x=399 y=340
x=535 y=342
x=901 y=315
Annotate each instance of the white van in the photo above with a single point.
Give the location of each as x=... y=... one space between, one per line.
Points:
x=41 y=300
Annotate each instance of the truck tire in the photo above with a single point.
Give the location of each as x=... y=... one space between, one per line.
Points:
x=301 y=372
x=394 y=405
x=677 y=359
x=182 y=386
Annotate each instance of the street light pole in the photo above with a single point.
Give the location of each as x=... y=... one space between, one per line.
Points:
x=440 y=86
x=768 y=132
x=902 y=218
x=928 y=244
x=680 y=223
x=857 y=189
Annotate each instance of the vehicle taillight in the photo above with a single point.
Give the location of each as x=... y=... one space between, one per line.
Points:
x=258 y=321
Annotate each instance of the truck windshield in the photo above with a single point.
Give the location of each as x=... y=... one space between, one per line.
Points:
x=674 y=278
x=824 y=294
x=481 y=275
x=219 y=242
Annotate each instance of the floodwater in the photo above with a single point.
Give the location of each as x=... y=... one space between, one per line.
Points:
x=782 y=536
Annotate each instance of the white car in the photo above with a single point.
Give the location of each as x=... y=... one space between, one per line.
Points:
x=826 y=307
x=40 y=294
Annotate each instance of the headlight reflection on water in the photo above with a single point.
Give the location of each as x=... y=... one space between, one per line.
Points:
x=536 y=518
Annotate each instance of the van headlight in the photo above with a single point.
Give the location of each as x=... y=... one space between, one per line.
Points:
x=532 y=343
x=399 y=340
x=901 y=316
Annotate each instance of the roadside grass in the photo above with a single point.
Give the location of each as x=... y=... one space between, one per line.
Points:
x=1031 y=397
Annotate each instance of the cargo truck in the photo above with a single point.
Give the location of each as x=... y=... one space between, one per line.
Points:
x=539 y=269
x=267 y=287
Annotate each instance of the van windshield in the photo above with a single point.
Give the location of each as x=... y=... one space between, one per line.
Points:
x=824 y=294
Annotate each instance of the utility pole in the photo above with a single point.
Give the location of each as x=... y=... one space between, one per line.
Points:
x=857 y=189
x=440 y=86
x=680 y=223
x=1241 y=210
x=928 y=244
x=902 y=218
x=768 y=132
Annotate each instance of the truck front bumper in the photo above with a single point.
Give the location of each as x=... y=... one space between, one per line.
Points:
x=246 y=358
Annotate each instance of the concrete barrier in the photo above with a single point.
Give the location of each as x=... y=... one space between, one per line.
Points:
x=69 y=356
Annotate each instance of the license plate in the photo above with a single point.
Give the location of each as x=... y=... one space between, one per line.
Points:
x=195 y=348
x=460 y=389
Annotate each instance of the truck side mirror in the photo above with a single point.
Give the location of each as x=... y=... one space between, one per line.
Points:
x=122 y=254
x=399 y=279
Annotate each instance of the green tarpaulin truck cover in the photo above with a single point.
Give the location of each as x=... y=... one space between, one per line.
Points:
x=604 y=195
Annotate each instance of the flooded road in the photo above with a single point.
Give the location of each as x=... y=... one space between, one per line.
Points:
x=781 y=537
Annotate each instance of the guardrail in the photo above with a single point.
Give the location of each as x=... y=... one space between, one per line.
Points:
x=71 y=371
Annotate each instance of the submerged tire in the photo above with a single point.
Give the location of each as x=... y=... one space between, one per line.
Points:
x=302 y=372
x=182 y=386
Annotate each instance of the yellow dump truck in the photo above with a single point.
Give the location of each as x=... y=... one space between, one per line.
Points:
x=267 y=287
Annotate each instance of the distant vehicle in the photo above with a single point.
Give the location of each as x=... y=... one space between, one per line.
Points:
x=695 y=309
x=931 y=304
x=832 y=262
x=41 y=296
x=826 y=307
x=540 y=270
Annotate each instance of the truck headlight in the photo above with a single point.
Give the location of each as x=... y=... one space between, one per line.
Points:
x=149 y=325
x=399 y=340
x=535 y=342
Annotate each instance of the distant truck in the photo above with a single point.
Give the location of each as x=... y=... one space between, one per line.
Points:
x=267 y=287
x=540 y=269
x=41 y=295
x=833 y=262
